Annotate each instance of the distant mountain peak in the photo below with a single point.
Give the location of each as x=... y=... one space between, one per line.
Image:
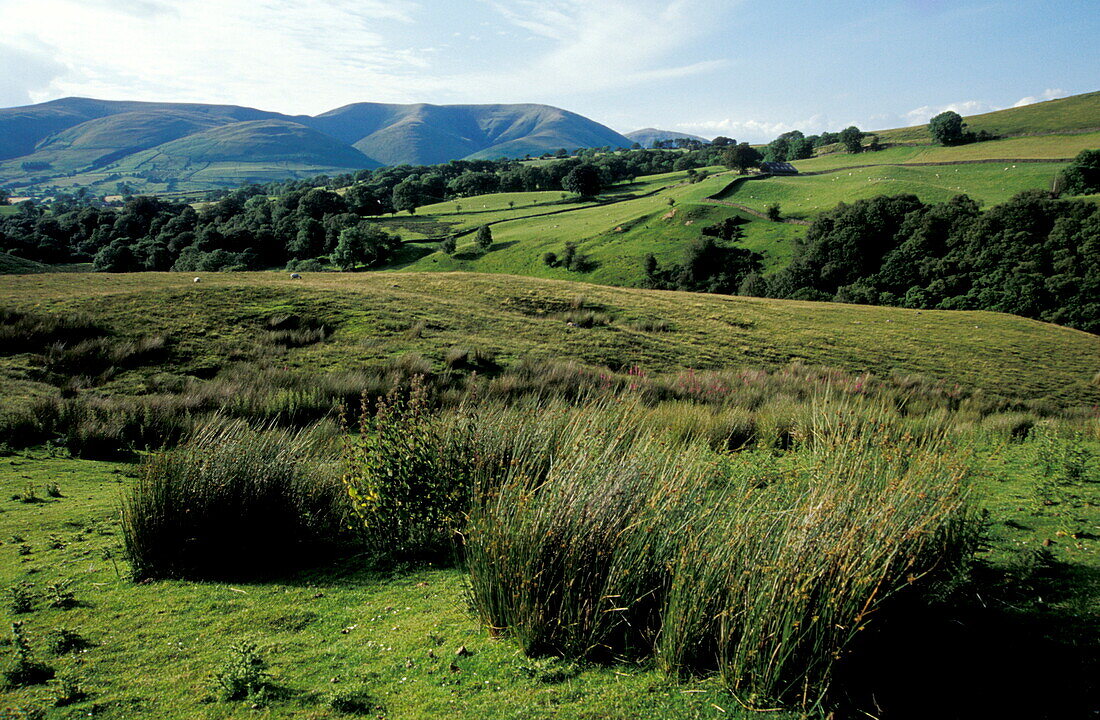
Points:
x=73 y=136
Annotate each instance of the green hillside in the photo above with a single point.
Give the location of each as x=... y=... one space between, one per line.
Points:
x=65 y=143
x=98 y=142
x=646 y=137
x=513 y=317
x=615 y=237
x=259 y=141
x=1066 y=115
x=12 y=265
x=807 y=195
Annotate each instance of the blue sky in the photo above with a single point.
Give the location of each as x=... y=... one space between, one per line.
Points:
x=748 y=69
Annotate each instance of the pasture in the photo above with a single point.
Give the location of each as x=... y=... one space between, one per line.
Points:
x=725 y=385
x=808 y=195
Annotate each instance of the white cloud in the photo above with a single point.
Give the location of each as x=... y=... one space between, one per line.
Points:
x=287 y=55
x=756 y=131
x=1048 y=94
x=598 y=45
x=921 y=115
x=36 y=70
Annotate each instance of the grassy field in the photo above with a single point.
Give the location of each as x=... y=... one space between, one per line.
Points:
x=12 y=265
x=1076 y=113
x=392 y=635
x=404 y=644
x=344 y=638
x=378 y=316
x=807 y=195
x=1044 y=147
x=615 y=237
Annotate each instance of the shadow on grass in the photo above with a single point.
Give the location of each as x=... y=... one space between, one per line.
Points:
x=1022 y=644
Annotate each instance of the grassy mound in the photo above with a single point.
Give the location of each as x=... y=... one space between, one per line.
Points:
x=378 y=317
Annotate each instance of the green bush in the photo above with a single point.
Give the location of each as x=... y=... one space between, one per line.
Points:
x=408 y=474
x=244 y=674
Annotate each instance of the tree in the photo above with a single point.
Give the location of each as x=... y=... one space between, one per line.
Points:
x=583 y=180
x=484 y=238
x=4 y=196
x=1082 y=176
x=406 y=195
x=448 y=245
x=722 y=141
x=741 y=157
x=852 y=138
x=364 y=244
x=799 y=149
x=947 y=128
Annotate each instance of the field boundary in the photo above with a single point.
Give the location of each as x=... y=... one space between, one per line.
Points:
x=562 y=211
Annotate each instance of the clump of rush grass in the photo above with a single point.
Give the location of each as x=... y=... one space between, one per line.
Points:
x=619 y=542
x=233 y=500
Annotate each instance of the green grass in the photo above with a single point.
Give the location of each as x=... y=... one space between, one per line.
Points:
x=1076 y=113
x=615 y=237
x=13 y=265
x=808 y=195
x=1046 y=147
x=156 y=647
x=372 y=315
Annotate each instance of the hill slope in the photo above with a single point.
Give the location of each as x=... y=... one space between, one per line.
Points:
x=646 y=137
x=1076 y=113
x=515 y=317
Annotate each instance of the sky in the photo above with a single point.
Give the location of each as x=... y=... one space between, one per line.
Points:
x=746 y=69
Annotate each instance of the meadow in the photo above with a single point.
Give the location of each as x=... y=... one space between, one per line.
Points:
x=531 y=410
x=806 y=195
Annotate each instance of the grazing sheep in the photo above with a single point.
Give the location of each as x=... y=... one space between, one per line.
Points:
x=295 y=276
x=197 y=280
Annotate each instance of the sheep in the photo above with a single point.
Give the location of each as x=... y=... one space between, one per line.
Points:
x=197 y=280
x=295 y=276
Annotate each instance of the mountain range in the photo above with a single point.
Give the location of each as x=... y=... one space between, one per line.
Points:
x=81 y=139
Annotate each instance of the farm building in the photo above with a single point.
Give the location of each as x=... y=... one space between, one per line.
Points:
x=778 y=168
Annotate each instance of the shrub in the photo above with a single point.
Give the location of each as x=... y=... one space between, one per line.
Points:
x=62 y=640
x=232 y=500
x=67 y=692
x=484 y=238
x=24 y=670
x=21 y=597
x=244 y=674
x=774 y=212
x=407 y=474
x=59 y=596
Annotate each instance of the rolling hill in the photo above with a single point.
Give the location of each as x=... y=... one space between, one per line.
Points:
x=78 y=141
x=1077 y=113
x=646 y=137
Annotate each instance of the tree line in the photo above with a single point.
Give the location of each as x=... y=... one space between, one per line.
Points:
x=293 y=222
x=1037 y=255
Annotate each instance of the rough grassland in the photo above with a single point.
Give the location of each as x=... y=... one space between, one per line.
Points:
x=513 y=317
x=155 y=648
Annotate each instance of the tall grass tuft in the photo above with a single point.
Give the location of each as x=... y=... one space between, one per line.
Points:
x=233 y=500
x=763 y=568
